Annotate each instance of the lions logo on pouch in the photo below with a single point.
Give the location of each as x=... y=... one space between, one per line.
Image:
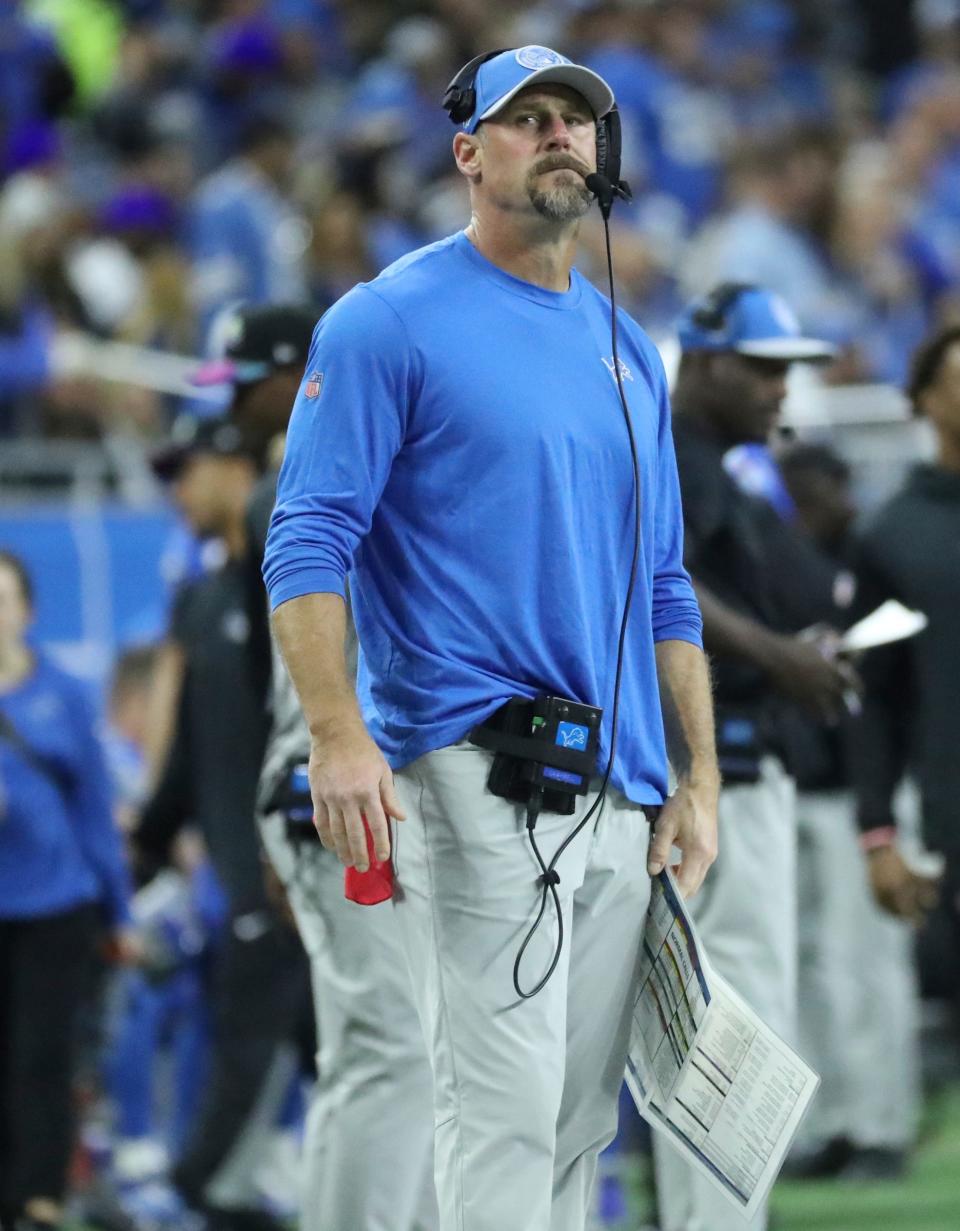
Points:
x=539 y=57
x=313 y=386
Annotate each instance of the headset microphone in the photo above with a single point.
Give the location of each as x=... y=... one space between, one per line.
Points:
x=603 y=190
x=606 y=186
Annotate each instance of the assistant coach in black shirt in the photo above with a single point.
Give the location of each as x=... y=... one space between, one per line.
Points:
x=758 y=584
x=210 y=780
x=911 y=551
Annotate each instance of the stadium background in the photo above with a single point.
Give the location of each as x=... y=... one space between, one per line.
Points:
x=163 y=160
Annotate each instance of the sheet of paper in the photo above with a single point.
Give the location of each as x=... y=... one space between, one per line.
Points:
x=890 y=622
x=704 y=1069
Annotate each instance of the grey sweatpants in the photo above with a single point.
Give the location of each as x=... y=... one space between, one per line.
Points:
x=525 y=1091
x=368 y=1150
x=859 y=1004
x=746 y=914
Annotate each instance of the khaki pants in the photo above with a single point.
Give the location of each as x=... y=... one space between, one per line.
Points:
x=368 y=1150
x=746 y=914
x=525 y=1091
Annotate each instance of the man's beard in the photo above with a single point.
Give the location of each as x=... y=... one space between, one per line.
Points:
x=563 y=202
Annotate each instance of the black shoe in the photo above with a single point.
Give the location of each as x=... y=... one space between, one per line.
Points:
x=219 y=1219
x=874 y=1164
x=820 y=1164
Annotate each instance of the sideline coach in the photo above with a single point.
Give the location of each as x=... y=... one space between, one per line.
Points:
x=459 y=444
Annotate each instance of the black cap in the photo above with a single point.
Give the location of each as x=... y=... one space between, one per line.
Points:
x=190 y=436
x=258 y=342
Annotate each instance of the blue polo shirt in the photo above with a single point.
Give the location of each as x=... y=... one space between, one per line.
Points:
x=458 y=443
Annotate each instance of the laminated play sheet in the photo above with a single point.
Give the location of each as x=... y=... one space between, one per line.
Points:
x=703 y=1068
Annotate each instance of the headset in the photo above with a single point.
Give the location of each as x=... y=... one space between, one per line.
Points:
x=605 y=183
x=460 y=101
x=713 y=311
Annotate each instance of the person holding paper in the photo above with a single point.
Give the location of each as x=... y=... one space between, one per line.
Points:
x=858 y=1003
x=459 y=447
x=911 y=552
x=759 y=583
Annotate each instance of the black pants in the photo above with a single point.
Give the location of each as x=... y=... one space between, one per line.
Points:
x=44 y=973
x=938 y=942
x=261 y=993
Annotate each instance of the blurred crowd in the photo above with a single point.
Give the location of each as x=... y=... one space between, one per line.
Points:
x=163 y=159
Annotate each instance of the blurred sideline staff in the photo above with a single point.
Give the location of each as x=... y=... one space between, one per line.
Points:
x=857 y=993
x=911 y=551
x=62 y=874
x=759 y=583
x=368 y=1149
x=210 y=780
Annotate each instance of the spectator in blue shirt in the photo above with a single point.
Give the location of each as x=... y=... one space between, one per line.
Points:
x=247 y=241
x=777 y=233
x=675 y=119
x=61 y=872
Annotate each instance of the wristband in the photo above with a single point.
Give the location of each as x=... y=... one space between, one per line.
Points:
x=882 y=835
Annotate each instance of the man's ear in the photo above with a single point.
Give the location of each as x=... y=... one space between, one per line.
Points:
x=468 y=152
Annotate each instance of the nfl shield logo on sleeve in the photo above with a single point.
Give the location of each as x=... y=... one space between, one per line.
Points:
x=314 y=385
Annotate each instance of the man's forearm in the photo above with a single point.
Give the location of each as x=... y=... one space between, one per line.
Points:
x=311 y=631
x=687 y=706
x=727 y=632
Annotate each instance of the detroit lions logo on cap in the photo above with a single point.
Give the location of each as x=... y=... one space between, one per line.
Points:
x=539 y=57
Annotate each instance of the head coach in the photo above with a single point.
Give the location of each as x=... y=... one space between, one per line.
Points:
x=460 y=445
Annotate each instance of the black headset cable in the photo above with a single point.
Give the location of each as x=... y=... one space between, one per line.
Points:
x=550 y=878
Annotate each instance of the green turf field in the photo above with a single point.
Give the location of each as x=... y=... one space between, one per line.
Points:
x=928 y=1200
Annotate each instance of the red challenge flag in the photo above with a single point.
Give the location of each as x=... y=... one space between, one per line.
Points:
x=373 y=886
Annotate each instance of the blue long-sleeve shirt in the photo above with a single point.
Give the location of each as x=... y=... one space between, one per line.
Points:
x=59 y=846
x=458 y=442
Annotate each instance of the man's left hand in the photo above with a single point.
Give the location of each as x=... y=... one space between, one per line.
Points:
x=687 y=820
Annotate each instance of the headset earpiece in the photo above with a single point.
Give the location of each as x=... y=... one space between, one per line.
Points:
x=609 y=146
x=606 y=183
x=460 y=99
x=603 y=144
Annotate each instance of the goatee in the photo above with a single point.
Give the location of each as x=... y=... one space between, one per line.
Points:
x=562 y=203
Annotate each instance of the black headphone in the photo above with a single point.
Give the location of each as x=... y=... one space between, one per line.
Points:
x=712 y=312
x=460 y=100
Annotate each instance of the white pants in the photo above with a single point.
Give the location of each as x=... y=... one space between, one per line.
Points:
x=368 y=1151
x=746 y=914
x=525 y=1091
x=858 y=995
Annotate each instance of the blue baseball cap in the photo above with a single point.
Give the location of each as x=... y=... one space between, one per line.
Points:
x=500 y=79
x=752 y=322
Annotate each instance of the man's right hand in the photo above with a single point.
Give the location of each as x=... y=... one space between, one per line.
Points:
x=350 y=780
x=800 y=670
x=898 y=889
